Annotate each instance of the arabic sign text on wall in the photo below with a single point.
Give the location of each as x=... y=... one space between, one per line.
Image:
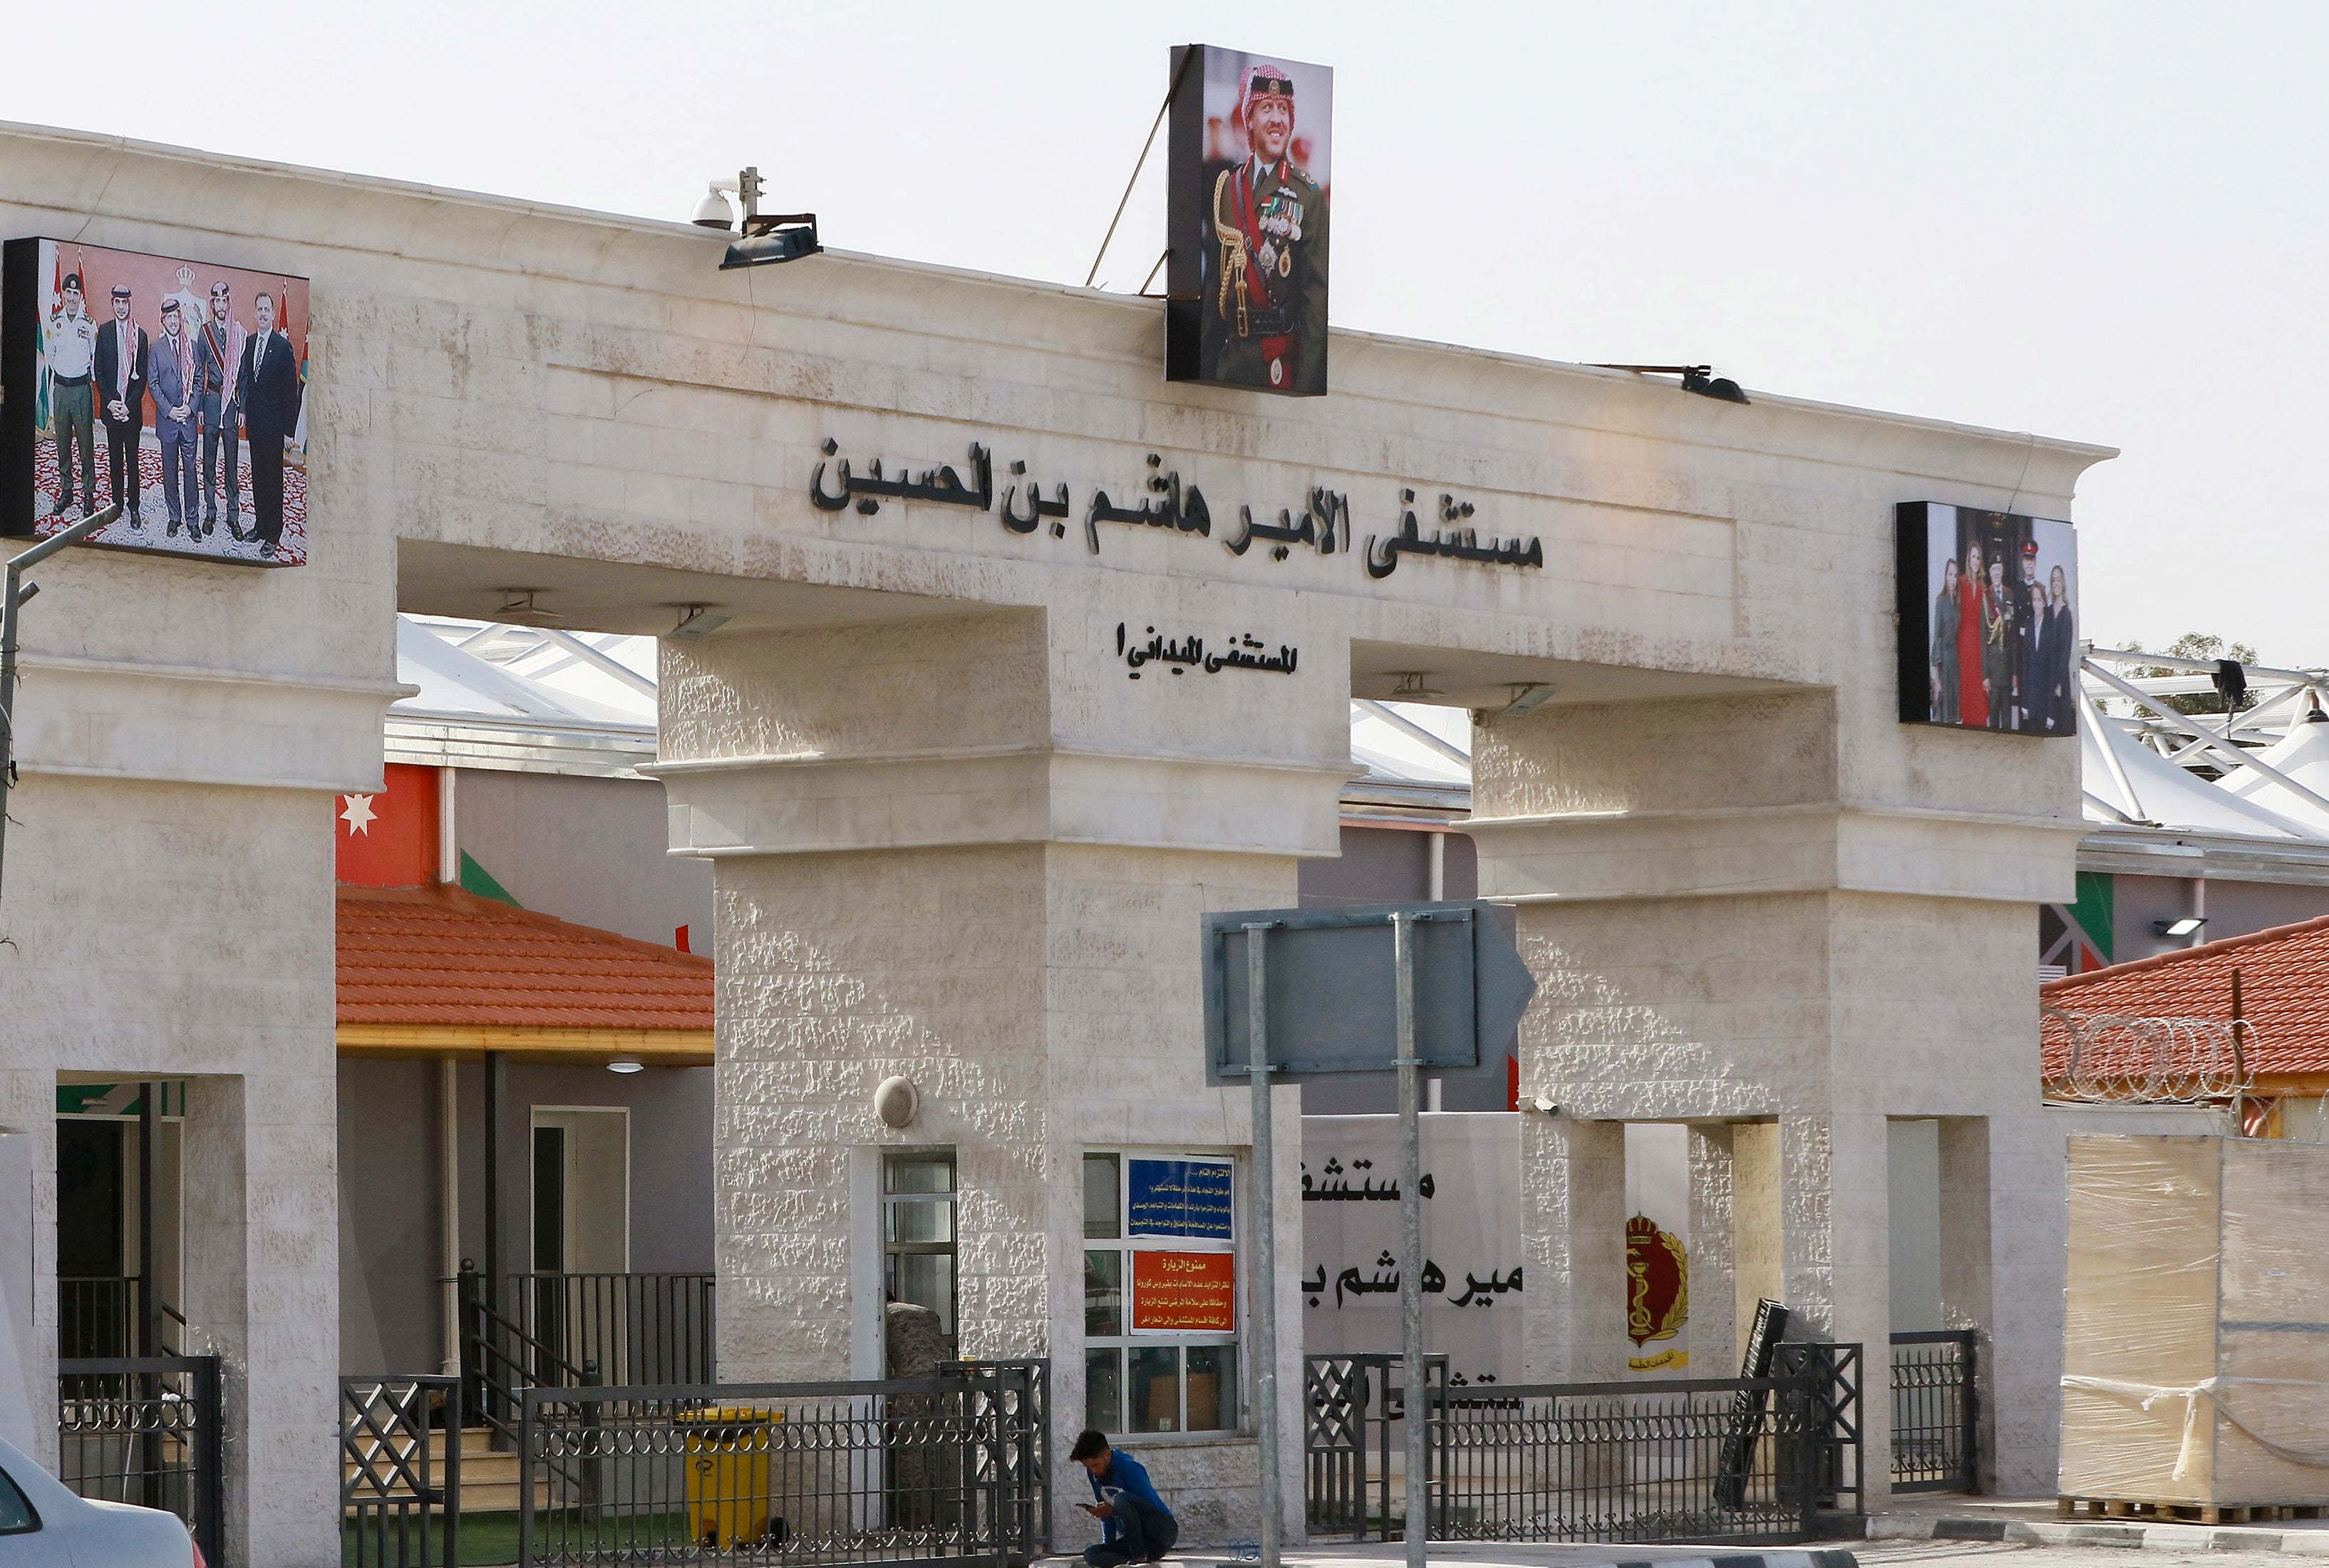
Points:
x=1178 y=1197
x=1471 y=1273
x=1187 y=652
x=1184 y=1293
x=1162 y=502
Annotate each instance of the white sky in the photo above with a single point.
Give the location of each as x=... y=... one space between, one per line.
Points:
x=2107 y=221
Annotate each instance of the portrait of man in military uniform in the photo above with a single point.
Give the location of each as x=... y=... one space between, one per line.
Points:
x=1250 y=190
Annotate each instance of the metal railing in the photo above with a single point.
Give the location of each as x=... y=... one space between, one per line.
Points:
x=948 y=1468
x=146 y=1429
x=1830 y=1377
x=1017 y=1395
x=1735 y=1459
x=1353 y=1404
x=102 y=1315
x=544 y=1330
x=400 y=1472
x=1683 y=1460
x=1935 y=1412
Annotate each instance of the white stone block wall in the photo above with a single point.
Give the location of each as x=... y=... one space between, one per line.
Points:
x=509 y=395
x=169 y=930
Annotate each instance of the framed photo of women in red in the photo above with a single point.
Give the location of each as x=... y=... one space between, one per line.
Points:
x=1989 y=606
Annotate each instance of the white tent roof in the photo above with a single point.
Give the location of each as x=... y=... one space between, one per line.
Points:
x=2303 y=754
x=2164 y=793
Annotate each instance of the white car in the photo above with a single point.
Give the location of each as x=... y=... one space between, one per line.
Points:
x=45 y=1526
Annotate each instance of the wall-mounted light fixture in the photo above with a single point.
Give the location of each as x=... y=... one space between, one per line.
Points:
x=2185 y=927
x=896 y=1101
x=768 y=238
x=698 y=620
x=625 y=1065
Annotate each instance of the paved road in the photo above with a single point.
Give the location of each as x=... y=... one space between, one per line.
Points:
x=1871 y=1554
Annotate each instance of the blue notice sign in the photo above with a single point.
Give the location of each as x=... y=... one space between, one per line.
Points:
x=1179 y=1197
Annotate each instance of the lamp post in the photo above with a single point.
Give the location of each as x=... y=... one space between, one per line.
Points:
x=17 y=591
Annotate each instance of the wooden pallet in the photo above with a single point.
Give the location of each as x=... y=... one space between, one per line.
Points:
x=2186 y=1513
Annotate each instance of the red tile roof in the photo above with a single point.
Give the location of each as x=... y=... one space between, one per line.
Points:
x=437 y=956
x=2284 y=994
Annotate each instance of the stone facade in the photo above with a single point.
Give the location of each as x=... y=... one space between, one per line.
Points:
x=954 y=837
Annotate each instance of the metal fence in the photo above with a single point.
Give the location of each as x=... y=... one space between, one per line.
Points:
x=146 y=1429
x=544 y=1330
x=948 y=1468
x=1935 y=1412
x=400 y=1472
x=1829 y=1376
x=1714 y=1459
x=1354 y=1405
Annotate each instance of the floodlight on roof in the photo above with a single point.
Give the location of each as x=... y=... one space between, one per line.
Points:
x=2185 y=927
x=1695 y=378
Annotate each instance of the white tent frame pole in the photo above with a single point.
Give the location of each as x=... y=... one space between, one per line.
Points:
x=1393 y=716
x=2196 y=666
x=2215 y=742
x=598 y=659
x=2100 y=804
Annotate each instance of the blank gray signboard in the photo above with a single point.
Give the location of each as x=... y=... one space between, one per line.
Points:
x=1331 y=989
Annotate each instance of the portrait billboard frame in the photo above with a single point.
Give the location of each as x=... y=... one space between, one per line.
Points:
x=1991 y=660
x=166 y=458
x=1248 y=307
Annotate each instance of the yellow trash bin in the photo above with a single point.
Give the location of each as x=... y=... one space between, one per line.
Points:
x=731 y=1498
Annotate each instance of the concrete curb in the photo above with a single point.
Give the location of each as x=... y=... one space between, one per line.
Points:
x=1828 y=1558
x=2132 y=1535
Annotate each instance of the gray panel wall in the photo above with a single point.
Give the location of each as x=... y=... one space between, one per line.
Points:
x=391 y=1304
x=587 y=850
x=2234 y=909
x=1383 y=865
x=389 y=1320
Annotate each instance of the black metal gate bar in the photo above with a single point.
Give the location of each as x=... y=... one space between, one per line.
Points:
x=1641 y=1460
x=1829 y=1375
x=1935 y=1412
x=146 y=1429
x=1732 y=1459
x=1353 y=1402
x=400 y=1472
x=951 y=1468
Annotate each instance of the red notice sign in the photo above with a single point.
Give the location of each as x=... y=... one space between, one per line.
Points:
x=1184 y=1293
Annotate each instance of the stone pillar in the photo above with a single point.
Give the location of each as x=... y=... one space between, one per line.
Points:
x=261 y=1265
x=1790 y=912
x=1573 y=1217
x=967 y=851
x=2002 y=1231
x=1754 y=1221
x=28 y=1234
x=213 y=1149
x=1713 y=1250
x=1836 y=1260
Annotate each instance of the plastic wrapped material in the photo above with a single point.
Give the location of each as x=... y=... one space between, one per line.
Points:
x=2196 y=1344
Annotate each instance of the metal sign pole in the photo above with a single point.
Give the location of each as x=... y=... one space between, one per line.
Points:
x=1410 y=1236
x=1265 y=1208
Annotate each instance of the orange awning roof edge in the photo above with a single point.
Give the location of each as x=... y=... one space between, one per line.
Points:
x=471 y=1042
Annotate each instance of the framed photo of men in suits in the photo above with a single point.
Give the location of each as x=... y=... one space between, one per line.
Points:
x=1989 y=626
x=1247 y=216
x=175 y=389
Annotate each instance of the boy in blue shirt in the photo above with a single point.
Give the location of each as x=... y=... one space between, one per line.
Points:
x=1135 y=1524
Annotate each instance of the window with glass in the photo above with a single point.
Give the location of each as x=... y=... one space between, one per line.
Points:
x=1162 y=1299
x=917 y=1234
